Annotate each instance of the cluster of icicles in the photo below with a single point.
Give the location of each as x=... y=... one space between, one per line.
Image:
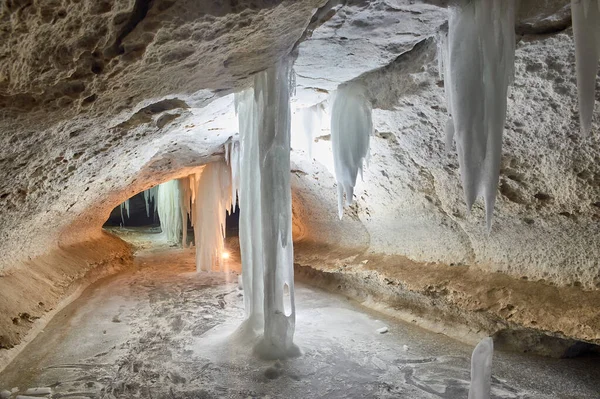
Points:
x=477 y=62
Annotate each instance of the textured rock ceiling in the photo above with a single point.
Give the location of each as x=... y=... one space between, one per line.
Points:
x=100 y=99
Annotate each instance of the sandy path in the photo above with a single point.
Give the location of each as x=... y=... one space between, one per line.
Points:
x=160 y=331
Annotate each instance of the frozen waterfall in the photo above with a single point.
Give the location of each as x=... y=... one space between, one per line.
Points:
x=478 y=63
x=168 y=205
x=351 y=128
x=212 y=201
x=266 y=210
x=586 y=30
x=481 y=369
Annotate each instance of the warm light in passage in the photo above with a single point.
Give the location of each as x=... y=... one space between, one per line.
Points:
x=225 y=255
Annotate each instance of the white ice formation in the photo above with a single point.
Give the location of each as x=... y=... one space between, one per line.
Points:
x=266 y=211
x=150 y=200
x=478 y=63
x=306 y=125
x=481 y=369
x=586 y=30
x=168 y=205
x=351 y=128
x=124 y=205
x=212 y=202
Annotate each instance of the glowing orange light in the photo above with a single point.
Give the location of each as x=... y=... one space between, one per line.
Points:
x=225 y=255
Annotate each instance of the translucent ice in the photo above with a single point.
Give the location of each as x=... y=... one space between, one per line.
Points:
x=306 y=125
x=481 y=369
x=586 y=30
x=266 y=209
x=213 y=199
x=351 y=128
x=478 y=64
x=169 y=213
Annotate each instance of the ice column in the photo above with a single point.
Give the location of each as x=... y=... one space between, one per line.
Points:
x=481 y=369
x=213 y=200
x=479 y=66
x=168 y=204
x=266 y=208
x=351 y=128
x=250 y=212
x=586 y=30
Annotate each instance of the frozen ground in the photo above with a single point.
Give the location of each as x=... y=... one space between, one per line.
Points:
x=161 y=331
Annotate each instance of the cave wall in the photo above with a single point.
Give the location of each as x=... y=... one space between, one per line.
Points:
x=100 y=100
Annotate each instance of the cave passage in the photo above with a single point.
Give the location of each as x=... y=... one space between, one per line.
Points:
x=263 y=266
x=160 y=330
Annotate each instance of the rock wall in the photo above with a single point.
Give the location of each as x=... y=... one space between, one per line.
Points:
x=100 y=100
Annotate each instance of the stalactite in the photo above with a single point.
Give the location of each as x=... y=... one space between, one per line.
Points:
x=479 y=66
x=351 y=128
x=212 y=201
x=168 y=205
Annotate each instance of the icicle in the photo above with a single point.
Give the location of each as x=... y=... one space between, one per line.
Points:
x=184 y=206
x=586 y=30
x=169 y=213
x=351 y=128
x=212 y=202
x=127 y=208
x=147 y=202
x=306 y=124
x=264 y=117
x=481 y=370
x=121 y=207
x=479 y=66
x=234 y=164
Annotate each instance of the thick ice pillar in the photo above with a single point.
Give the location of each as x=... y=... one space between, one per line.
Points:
x=213 y=200
x=266 y=210
x=481 y=370
x=351 y=128
x=479 y=66
x=586 y=30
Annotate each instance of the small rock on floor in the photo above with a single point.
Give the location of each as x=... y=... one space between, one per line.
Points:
x=39 y=391
x=382 y=330
x=4 y=394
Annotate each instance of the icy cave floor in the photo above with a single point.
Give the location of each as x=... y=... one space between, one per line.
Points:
x=160 y=330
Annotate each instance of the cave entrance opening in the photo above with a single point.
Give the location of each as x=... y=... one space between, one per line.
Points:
x=142 y=214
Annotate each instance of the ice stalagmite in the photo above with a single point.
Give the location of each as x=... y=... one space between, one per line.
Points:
x=351 y=128
x=266 y=209
x=168 y=204
x=213 y=200
x=481 y=369
x=586 y=30
x=479 y=66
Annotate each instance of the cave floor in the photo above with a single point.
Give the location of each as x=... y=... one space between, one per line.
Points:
x=160 y=330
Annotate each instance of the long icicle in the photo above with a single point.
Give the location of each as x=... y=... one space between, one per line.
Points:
x=479 y=67
x=351 y=128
